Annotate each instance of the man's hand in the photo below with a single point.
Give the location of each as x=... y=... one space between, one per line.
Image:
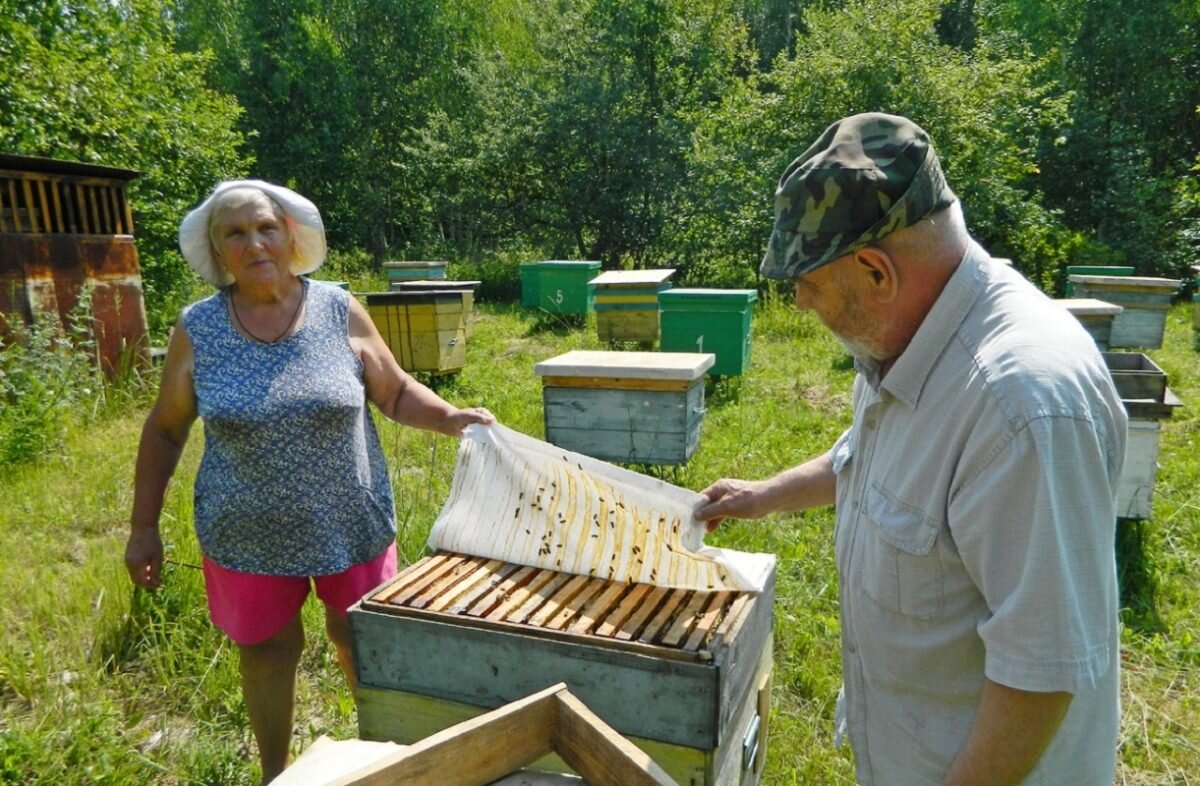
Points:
x=732 y=499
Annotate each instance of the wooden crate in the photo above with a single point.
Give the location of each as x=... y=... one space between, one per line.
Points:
x=632 y=407
x=1096 y=316
x=1136 y=376
x=1144 y=302
x=627 y=303
x=684 y=675
x=465 y=288
x=426 y=331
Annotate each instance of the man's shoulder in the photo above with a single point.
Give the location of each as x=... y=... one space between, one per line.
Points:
x=1033 y=354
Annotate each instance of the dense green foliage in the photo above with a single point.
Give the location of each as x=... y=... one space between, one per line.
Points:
x=636 y=132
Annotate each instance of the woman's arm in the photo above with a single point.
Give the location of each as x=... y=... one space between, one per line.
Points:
x=395 y=392
x=163 y=437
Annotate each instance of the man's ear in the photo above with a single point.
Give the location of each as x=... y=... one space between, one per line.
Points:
x=878 y=267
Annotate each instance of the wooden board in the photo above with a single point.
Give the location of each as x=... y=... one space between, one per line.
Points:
x=632 y=278
x=641 y=365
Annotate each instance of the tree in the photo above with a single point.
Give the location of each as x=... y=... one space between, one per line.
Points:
x=985 y=109
x=1133 y=72
x=99 y=81
x=595 y=127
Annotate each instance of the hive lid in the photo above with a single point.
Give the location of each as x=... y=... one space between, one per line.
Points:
x=686 y=295
x=416 y=264
x=401 y=286
x=568 y=264
x=617 y=278
x=633 y=365
x=1089 y=307
x=1127 y=282
x=413 y=296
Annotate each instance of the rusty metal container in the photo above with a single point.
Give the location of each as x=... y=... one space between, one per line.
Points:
x=66 y=230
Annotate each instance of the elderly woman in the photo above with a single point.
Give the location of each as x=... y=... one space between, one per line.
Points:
x=292 y=491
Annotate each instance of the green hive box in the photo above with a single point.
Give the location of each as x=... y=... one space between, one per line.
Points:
x=709 y=320
x=558 y=286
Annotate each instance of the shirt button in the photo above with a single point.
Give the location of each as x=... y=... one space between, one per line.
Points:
x=871 y=423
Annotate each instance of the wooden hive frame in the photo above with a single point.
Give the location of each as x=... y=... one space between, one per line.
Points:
x=672 y=623
x=498 y=743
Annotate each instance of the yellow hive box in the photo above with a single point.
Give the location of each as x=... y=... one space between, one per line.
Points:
x=426 y=331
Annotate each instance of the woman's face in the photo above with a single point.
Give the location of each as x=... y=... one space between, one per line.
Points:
x=251 y=241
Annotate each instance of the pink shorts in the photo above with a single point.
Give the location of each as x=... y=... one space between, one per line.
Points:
x=250 y=608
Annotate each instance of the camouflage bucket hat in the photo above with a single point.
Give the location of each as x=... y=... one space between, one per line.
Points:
x=865 y=177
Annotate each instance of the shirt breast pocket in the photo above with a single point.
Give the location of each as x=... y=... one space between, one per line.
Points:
x=901 y=568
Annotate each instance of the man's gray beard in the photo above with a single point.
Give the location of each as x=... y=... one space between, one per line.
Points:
x=856 y=347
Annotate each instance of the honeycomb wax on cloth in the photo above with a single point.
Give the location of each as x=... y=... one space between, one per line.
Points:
x=518 y=499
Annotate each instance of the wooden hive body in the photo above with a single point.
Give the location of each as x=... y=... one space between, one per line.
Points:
x=709 y=320
x=684 y=675
x=1142 y=386
x=1096 y=316
x=559 y=286
x=627 y=303
x=1144 y=303
x=426 y=331
x=631 y=407
x=465 y=288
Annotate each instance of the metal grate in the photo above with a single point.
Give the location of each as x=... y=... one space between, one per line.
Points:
x=40 y=204
x=501 y=593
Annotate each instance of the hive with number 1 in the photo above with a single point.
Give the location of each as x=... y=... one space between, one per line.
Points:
x=709 y=320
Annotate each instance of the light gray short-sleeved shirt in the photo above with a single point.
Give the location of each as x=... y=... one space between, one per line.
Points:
x=975 y=526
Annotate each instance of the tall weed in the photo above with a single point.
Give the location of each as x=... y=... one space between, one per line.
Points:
x=48 y=379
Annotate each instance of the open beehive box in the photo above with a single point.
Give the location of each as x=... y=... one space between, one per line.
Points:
x=1142 y=386
x=685 y=675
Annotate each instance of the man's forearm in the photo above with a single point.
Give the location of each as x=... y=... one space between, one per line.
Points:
x=1011 y=731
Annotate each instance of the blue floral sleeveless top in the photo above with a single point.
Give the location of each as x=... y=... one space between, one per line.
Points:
x=293 y=480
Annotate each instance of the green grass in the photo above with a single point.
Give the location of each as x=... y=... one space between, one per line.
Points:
x=100 y=684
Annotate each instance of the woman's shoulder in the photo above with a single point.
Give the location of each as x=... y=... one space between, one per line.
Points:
x=204 y=307
x=327 y=290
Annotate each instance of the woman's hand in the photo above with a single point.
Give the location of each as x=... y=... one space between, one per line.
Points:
x=144 y=557
x=459 y=419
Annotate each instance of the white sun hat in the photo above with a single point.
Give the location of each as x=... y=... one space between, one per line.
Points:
x=303 y=222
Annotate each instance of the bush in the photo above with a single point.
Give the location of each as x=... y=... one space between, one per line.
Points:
x=47 y=376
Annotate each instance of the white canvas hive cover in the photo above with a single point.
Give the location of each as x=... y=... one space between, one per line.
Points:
x=521 y=500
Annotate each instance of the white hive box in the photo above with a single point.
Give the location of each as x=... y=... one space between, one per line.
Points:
x=630 y=407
